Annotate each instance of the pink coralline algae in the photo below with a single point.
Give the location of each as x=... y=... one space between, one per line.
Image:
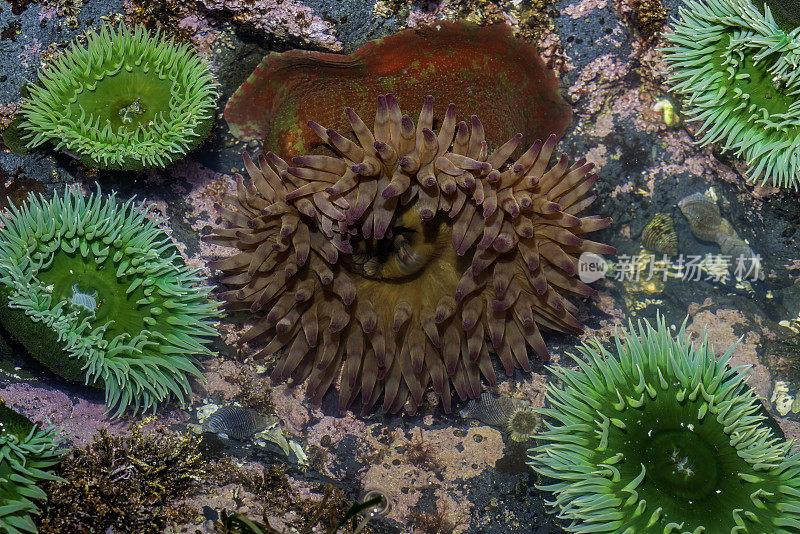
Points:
x=584 y=7
x=284 y=19
x=79 y=418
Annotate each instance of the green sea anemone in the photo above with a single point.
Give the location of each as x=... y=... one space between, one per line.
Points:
x=738 y=71
x=26 y=451
x=663 y=437
x=97 y=292
x=127 y=100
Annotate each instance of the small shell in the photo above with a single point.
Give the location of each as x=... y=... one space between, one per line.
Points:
x=707 y=224
x=490 y=409
x=703 y=215
x=669 y=114
x=236 y=422
x=742 y=257
x=659 y=235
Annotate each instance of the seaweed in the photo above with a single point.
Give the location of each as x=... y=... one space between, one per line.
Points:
x=123 y=483
x=241 y=524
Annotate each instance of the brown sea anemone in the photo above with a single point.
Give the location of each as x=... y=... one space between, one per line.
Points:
x=401 y=257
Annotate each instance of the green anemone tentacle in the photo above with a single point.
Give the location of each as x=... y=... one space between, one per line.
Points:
x=126 y=100
x=97 y=292
x=26 y=454
x=660 y=436
x=740 y=74
x=786 y=13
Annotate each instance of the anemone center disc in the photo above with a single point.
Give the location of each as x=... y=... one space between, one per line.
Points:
x=402 y=255
x=409 y=251
x=417 y=264
x=95 y=292
x=125 y=100
x=682 y=461
x=760 y=85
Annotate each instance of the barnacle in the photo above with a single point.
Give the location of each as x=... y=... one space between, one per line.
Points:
x=737 y=70
x=662 y=436
x=98 y=293
x=26 y=453
x=522 y=424
x=127 y=100
x=403 y=256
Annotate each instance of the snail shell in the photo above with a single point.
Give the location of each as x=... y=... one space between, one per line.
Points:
x=705 y=219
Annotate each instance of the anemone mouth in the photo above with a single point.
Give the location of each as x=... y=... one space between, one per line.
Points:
x=99 y=294
x=404 y=255
x=398 y=261
x=685 y=465
x=741 y=80
x=126 y=100
x=662 y=436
